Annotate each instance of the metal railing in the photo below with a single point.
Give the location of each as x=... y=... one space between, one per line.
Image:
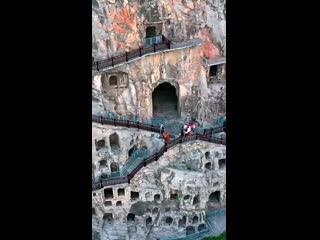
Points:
x=205 y=232
x=123 y=176
x=156 y=47
x=125 y=123
x=151 y=124
x=130 y=164
x=153 y=40
x=154 y=157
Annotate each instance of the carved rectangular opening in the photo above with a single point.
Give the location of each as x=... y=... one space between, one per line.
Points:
x=121 y=192
x=100 y=144
x=134 y=195
x=108 y=193
x=173 y=194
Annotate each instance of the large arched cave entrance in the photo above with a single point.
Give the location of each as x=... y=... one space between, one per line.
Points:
x=165 y=101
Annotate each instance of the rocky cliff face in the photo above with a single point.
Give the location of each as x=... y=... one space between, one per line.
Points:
x=170 y=197
x=118 y=152
x=120 y=26
x=183 y=69
x=166 y=197
x=198 y=26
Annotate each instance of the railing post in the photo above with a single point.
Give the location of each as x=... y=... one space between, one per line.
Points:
x=144 y=162
x=127 y=123
x=114 y=122
x=101 y=120
x=140 y=51
x=127 y=56
x=112 y=61
x=169 y=44
x=138 y=126
x=154 y=47
x=97 y=66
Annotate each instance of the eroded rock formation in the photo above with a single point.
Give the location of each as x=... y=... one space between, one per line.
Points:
x=172 y=196
x=119 y=26
x=173 y=193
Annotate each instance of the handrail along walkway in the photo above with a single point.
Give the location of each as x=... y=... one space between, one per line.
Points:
x=153 y=157
x=111 y=62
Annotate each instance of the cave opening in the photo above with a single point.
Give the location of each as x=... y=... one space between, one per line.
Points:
x=157 y=197
x=214 y=197
x=201 y=227
x=195 y=219
x=165 y=101
x=196 y=200
x=187 y=197
x=132 y=150
x=114 y=141
x=149 y=221
x=207 y=165
x=173 y=194
x=190 y=230
x=213 y=71
x=169 y=220
x=131 y=217
x=114 y=167
x=103 y=163
x=182 y=221
x=150 y=32
x=113 y=81
x=108 y=193
x=222 y=164
x=107 y=217
x=121 y=192
x=100 y=144
x=134 y=195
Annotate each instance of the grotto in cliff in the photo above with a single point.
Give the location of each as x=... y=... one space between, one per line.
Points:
x=149 y=184
x=165 y=101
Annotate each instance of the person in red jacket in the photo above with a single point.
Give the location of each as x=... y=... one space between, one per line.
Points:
x=166 y=136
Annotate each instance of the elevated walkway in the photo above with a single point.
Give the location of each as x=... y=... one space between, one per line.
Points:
x=124 y=176
x=105 y=65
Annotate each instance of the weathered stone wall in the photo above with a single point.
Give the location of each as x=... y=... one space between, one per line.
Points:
x=156 y=183
x=120 y=25
x=180 y=184
x=183 y=68
x=128 y=138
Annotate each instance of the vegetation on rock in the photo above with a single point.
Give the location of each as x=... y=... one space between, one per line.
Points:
x=221 y=237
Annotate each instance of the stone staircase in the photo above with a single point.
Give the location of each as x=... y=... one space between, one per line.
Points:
x=174 y=128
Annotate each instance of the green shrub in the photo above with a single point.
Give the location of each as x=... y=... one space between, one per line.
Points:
x=221 y=237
